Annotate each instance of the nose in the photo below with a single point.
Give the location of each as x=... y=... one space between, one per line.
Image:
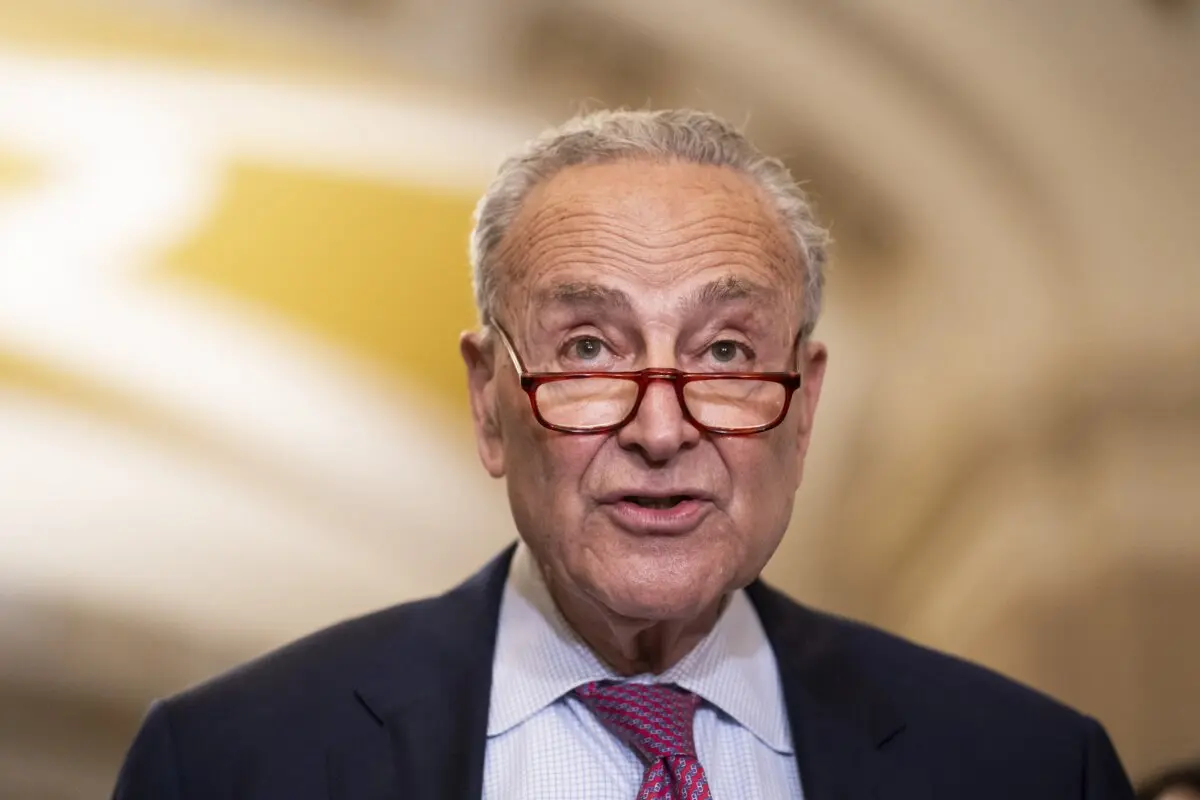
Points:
x=659 y=429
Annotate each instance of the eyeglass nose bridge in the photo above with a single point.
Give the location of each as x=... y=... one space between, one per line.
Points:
x=677 y=379
x=662 y=374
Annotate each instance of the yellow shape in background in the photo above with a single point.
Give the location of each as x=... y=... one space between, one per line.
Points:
x=166 y=35
x=16 y=172
x=378 y=268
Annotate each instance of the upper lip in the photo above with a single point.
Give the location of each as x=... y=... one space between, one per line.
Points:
x=618 y=495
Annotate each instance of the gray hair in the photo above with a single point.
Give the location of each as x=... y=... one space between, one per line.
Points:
x=605 y=136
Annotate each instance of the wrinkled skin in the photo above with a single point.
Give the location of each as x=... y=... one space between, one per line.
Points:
x=630 y=265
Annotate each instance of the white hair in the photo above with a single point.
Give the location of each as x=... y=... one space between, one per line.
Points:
x=605 y=136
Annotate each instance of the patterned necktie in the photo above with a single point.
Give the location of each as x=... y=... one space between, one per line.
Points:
x=656 y=720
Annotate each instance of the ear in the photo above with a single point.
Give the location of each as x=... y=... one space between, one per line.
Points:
x=478 y=354
x=813 y=370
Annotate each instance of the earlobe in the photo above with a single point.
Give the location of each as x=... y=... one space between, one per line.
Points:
x=478 y=356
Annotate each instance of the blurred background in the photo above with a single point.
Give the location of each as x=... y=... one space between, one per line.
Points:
x=233 y=270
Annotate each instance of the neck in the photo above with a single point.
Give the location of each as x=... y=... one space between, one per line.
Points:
x=635 y=646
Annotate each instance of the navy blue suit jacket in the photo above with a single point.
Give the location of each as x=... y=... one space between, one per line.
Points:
x=394 y=706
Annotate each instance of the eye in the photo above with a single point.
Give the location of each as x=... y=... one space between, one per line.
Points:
x=585 y=348
x=727 y=351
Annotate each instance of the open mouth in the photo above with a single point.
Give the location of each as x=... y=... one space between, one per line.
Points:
x=657 y=502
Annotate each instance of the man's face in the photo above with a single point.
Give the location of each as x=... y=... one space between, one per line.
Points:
x=625 y=266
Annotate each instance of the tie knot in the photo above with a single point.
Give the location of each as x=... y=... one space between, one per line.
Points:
x=656 y=719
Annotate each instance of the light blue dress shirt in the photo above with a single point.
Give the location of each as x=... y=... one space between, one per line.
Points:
x=543 y=743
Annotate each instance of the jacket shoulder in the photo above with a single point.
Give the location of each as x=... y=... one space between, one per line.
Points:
x=329 y=663
x=277 y=719
x=309 y=678
x=985 y=723
x=921 y=682
x=929 y=679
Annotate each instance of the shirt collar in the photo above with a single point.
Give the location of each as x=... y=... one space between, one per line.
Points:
x=539 y=658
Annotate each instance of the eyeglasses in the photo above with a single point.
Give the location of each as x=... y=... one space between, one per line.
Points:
x=727 y=403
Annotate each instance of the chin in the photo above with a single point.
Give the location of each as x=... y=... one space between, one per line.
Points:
x=659 y=600
x=654 y=578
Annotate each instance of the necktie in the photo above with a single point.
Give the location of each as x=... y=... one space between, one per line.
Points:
x=656 y=720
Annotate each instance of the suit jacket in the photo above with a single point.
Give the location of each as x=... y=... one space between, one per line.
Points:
x=394 y=706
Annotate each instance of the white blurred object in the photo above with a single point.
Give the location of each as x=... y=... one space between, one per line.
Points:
x=134 y=157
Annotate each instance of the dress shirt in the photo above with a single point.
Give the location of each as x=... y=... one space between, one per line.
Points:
x=543 y=743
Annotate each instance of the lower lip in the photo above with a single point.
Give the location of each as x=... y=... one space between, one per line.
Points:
x=679 y=518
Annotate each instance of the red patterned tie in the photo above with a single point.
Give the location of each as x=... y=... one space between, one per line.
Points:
x=656 y=720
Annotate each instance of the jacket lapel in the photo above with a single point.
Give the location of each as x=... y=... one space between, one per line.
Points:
x=428 y=699
x=428 y=696
x=839 y=721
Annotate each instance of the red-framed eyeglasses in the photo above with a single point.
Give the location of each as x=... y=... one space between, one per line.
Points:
x=726 y=403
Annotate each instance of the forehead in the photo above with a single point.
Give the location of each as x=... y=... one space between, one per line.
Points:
x=654 y=232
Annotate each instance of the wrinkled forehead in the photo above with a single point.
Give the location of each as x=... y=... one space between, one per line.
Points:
x=646 y=240
x=720 y=295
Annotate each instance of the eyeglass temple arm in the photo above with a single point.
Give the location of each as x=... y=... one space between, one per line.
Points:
x=508 y=346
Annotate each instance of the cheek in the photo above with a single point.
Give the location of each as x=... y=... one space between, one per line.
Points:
x=765 y=475
x=546 y=469
x=539 y=493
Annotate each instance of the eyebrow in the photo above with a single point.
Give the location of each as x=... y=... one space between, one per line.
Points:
x=585 y=294
x=725 y=290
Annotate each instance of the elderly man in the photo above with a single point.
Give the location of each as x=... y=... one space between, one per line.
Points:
x=645 y=379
